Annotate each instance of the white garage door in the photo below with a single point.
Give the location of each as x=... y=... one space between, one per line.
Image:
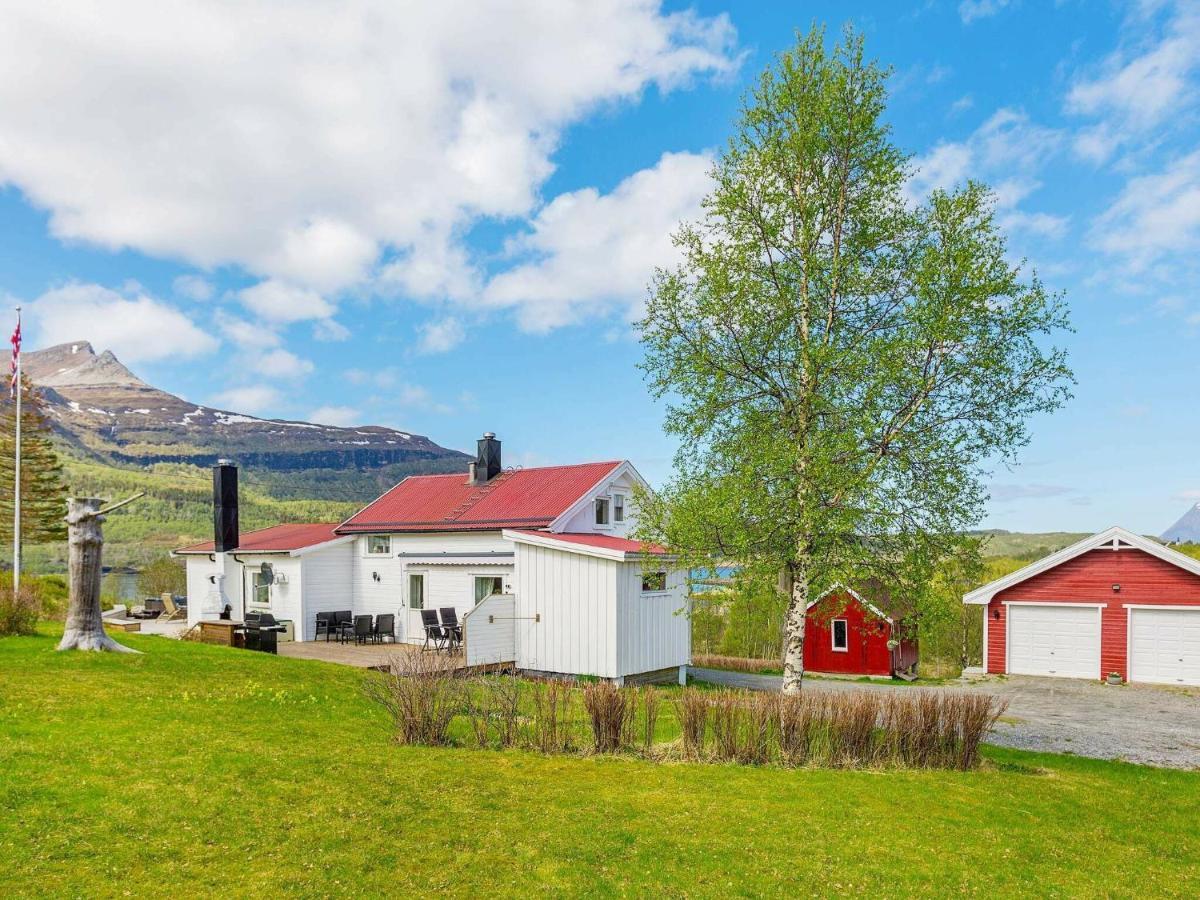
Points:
x=1164 y=646
x=1063 y=641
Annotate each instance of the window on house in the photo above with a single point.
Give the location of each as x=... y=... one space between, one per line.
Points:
x=653 y=582
x=601 y=510
x=416 y=591
x=841 y=634
x=618 y=507
x=260 y=590
x=379 y=545
x=486 y=585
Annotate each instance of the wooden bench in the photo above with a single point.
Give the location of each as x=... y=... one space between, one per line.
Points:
x=122 y=624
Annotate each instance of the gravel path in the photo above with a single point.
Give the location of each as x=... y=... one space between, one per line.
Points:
x=1157 y=726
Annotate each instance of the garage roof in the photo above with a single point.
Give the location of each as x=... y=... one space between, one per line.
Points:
x=1115 y=538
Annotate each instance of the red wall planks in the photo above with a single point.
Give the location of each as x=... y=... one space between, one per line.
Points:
x=868 y=652
x=1089 y=578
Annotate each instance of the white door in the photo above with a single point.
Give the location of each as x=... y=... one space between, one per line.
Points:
x=1061 y=641
x=1164 y=646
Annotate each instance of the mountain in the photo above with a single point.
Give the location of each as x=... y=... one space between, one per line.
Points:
x=118 y=435
x=1186 y=530
x=104 y=412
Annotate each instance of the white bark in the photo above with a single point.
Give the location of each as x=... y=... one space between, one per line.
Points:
x=794 y=627
x=85 y=625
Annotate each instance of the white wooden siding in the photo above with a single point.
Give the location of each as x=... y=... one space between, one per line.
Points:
x=285 y=598
x=654 y=630
x=584 y=521
x=445 y=585
x=575 y=596
x=328 y=585
x=487 y=643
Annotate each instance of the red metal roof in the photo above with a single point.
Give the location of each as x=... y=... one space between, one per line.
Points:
x=603 y=541
x=276 y=539
x=516 y=498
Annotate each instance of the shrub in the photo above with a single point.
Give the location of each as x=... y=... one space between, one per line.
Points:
x=551 y=722
x=692 y=711
x=19 y=612
x=736 y=663
x=799 y=715
x=422 y=696
x=650 y=700
x=608 y=708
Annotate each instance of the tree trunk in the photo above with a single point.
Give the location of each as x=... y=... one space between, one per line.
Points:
x=85 y=625
x=794 y=626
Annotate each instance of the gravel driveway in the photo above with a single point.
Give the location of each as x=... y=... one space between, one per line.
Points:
x=1157 y=726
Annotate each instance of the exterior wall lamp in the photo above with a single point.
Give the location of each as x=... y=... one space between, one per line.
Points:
x=1116 y=589
x=375 y=576
x=996 y=614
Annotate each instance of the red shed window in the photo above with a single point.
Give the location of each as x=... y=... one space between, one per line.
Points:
x=841 y=635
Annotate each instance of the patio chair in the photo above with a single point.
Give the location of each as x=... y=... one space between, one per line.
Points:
x=343 y=624
x=434 y=633
x=385 y=627
x=363 y=628
x=451 y=627
x=325 y=626
x=170 y=610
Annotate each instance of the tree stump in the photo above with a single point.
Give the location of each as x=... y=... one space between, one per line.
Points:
x=85 y=541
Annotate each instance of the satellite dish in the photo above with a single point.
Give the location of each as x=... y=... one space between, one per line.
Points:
x=266 y=574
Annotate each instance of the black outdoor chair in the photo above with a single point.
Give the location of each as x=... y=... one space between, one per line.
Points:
x=434 y=633
x=363 y=628
x=343 y=624
x=385 y=627
x=325 y=626
x=451 y=627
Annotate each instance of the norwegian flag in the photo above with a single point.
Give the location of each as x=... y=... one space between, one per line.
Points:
x=16 y=357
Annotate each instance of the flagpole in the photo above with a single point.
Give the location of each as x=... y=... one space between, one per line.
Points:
x=17 y=469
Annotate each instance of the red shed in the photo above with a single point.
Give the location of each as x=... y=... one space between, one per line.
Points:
x=1114 y=602
x=849 y=635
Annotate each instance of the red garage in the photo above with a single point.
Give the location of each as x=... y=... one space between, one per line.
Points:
x=849 y=635
x=1115 y=602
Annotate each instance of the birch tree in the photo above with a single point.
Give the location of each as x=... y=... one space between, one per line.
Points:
x=842 y=362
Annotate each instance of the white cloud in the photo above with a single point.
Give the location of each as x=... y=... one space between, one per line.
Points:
x=136 y=327
x=343 y=416
x=441 y=336
x=253 y=399
x=307 y=142
x=1006 y=151
x=193 y=287
x=1135 y=91
x=330 y=331
x=380 y=378
x=245 y=333
x=1155 y=215
x=592 y=253
x=970 y=10
x=419 y=397
x=278 y=301
x=282 y=364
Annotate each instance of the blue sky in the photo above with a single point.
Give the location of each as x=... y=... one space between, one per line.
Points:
x=443 y=220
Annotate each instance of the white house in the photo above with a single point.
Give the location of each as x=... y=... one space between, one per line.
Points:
x=538 y=563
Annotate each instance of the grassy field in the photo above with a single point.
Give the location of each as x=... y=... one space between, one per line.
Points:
x=203 y=769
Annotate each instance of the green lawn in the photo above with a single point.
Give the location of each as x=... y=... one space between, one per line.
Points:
x=202 y=769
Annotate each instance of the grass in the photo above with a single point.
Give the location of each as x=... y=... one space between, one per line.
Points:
x=213 y=770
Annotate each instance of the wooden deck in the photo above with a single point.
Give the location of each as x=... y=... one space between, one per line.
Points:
x=364 y=656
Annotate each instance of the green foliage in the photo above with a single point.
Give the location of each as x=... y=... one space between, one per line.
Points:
x=744 y=620
x=164 y=575
x=104 y=793
x=841 y=365
x=43 y=492
x=19 y=611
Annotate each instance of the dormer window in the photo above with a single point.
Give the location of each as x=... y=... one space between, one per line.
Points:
x=618 y=507
x=602 y=512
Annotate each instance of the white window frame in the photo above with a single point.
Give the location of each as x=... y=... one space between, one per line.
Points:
x=607 y=501
x=367 y=551
x=665 y=587
x=475 y=576
x=617 y=506
x=408 y=590
x=251 y=599
x=833 y=635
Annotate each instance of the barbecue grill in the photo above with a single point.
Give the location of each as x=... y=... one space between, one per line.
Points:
x=262 y=632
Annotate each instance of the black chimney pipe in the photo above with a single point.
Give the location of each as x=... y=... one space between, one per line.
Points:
x=487 y=458
x=225 y=506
